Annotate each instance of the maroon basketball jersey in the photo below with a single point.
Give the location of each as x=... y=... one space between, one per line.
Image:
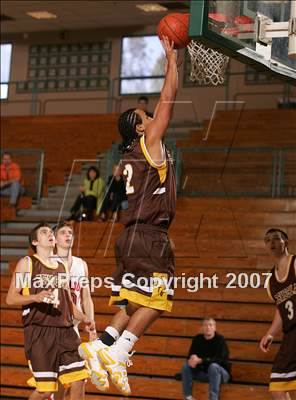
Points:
x=283 y=293
x=150 y=187
x=44 y=277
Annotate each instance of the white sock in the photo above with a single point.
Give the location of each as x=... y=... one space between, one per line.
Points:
x=112 y=332
x=126 y=342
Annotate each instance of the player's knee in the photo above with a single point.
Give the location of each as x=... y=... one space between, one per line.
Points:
x=185 y=367
x=77 y=390
x=131 y=308
x=213 y=369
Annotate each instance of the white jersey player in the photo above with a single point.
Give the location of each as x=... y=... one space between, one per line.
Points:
x=78 y=272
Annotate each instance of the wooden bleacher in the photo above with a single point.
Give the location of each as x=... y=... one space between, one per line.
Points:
x=253 y=128
x=211 y=236
x=63 y=138
x=246 y=170
x=9 y=213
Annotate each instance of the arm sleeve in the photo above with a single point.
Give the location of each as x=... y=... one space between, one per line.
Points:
x=99 y=187
x=194 y=347
x=15 y=172
x=102 y=187
x=221 y=357
x=85 y=185
x=3 y=174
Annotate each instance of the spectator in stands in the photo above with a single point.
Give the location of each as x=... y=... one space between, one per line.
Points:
x=11 y=180
x=91 y=197
x=207 y=361
x=115 y=197
x=143 y=105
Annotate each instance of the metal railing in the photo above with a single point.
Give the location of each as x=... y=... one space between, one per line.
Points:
x=31 y=162
x=239 y=172
x=38 y=100
x=113 y=101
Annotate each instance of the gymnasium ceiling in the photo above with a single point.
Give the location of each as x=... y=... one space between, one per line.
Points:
x=78 y=15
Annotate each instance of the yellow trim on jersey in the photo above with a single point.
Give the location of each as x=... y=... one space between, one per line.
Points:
x=31 y=382
x=65 y=264
x=26 y=289
x=50 y=266
x=161 y=168
x=48 y=386
x=75 y=376
x=114 y=299
x=268 y=288
x=284 y=386
x=147 y=155
x=287 y=273
x=155 y=301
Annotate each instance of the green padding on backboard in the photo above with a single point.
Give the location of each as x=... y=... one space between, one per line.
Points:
x=196 y=18
x=230 y=26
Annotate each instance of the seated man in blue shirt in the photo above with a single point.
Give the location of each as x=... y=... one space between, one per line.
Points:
x=207 y=361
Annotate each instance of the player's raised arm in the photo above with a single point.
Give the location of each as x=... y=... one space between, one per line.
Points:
x=157 y=128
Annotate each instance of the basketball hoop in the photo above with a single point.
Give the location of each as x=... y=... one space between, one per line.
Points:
x=208 y=66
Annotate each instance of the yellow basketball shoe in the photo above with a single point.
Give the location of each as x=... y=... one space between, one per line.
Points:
x=98 y=374
x=116 y=364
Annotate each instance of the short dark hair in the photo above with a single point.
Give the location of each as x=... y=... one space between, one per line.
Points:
x=209 y=319
x=127 y=126
x=63 y=224
x=92 y=168
x=34 y=232
x=6 y=153
x=143 y=98
x=282 y=233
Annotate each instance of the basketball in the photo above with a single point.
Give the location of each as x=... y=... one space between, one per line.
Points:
x=148 y=156
x=175 y=27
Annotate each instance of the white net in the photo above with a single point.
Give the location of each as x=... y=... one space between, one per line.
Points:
x=208 y=66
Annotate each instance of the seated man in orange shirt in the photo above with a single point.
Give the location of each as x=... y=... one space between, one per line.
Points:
x=10 y=182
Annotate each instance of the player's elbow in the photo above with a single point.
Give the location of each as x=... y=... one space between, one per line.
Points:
x=168 y=97
x=9 y=300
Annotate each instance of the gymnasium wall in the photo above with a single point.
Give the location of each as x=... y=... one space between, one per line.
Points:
x=258 y=96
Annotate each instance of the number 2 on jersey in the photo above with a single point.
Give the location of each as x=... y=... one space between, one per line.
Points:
x=128 y=171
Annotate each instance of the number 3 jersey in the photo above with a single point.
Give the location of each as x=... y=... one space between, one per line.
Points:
x=283 y=292
x=150 y=187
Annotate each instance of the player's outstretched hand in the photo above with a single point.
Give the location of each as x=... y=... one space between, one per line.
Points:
x=90 y=325
x=265 y=343
x=45 y=296
x=170 y=52
x=92 y=335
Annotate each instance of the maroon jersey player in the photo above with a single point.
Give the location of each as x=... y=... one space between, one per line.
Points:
x=145 y=260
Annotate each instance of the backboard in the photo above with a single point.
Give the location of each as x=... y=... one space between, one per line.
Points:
x=261 y=33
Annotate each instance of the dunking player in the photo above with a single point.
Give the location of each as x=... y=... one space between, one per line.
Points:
x=282 y=289
x=51 y=343
x=79 y=287
x=143 y=248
